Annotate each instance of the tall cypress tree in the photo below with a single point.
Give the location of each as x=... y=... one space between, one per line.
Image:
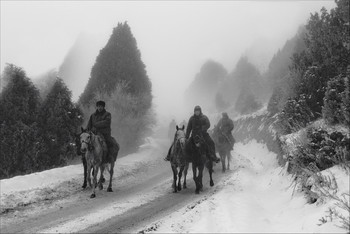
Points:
x=119 y=77
x=118 y=62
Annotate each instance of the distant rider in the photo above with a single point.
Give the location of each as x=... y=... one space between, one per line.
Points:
x=225 y=126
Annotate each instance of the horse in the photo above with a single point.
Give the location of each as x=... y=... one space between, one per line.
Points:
x=83 y=159
x=223 y=146
x=196 y=151
x=93 y=146
x=178 y=159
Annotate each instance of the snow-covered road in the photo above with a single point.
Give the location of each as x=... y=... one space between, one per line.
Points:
x=255 y=196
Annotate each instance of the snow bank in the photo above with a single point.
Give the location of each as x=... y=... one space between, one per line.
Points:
x=61 y=182
x=256 y=198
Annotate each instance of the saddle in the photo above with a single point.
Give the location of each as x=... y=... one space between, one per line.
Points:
x=109 y=153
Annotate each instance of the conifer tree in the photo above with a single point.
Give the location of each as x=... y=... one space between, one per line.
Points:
x=19 y=134
x=59 y=120
x=119 y=78
x=118 y=62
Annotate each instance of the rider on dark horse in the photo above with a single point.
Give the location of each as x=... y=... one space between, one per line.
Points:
x=100 y=123
x=225 y=126
x=198 y=125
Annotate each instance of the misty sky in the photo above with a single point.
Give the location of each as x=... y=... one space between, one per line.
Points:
x=175 y=37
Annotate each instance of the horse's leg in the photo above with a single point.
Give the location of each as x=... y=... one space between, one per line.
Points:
x=95 y=182
x=185 y=175
x=194 y=170
x=223 y=161
x=111 y=172
x=100 y=181
x=85 y=170
x=179 y=180
x=174 y=168
x=228 y=159
x=210 y=169
x=88 y=176
x=200 y=176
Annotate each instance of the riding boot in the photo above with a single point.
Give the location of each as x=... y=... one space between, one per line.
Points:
x=212 y=156
x=211 y=150
x=168 y=157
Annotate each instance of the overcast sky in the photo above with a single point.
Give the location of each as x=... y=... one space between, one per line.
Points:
x=175 y=37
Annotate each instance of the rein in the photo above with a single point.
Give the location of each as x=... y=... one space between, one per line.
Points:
x=90 y=146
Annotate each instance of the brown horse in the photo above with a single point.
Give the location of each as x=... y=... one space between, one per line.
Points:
x=96 y=158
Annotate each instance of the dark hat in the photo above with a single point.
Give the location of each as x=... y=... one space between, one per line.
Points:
x=197 y=108
x=101 y=103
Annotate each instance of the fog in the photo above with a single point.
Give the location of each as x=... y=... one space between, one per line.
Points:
x=175 y=37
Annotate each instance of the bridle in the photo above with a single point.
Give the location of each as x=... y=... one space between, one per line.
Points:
x=89 y=144
x=178 y=141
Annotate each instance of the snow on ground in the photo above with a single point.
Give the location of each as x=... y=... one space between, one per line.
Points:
x=59 y=182
x=256 y=198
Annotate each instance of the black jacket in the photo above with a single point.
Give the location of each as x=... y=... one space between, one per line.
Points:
x=198 y=125
x=101 y=121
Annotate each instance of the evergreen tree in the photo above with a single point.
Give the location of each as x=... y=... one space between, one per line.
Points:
x=118 y=62
x=346 y=100
x=59 y=120
x=245 y=76
x=19 y=138
x=327 y=54
x=332 y=110
x=204 y=87
x=19 y=99
x=119 y=78
x=247 y=102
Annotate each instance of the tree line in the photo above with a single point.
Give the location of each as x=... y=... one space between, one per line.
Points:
x=37 y=128
x=35 y=133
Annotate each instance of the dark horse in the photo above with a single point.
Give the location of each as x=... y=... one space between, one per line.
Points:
x=178 y=159
x=196 y=152
x=223 y=146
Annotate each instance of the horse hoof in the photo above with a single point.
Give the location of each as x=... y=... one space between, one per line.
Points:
x=109 y=189
x=185 y=187
x=92 y=196
x=174 y=191
x=211 y=183
x=84 y=186
x=196 y=192
x=103 y=180
x=100 y=187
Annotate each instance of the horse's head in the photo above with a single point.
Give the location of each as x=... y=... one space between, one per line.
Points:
x=85 y=141
x=180 y=135
x=197 y=140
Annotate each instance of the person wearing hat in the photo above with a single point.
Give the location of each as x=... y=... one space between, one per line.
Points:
x=100 y=123
x=225 y=126
x=199 y=124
